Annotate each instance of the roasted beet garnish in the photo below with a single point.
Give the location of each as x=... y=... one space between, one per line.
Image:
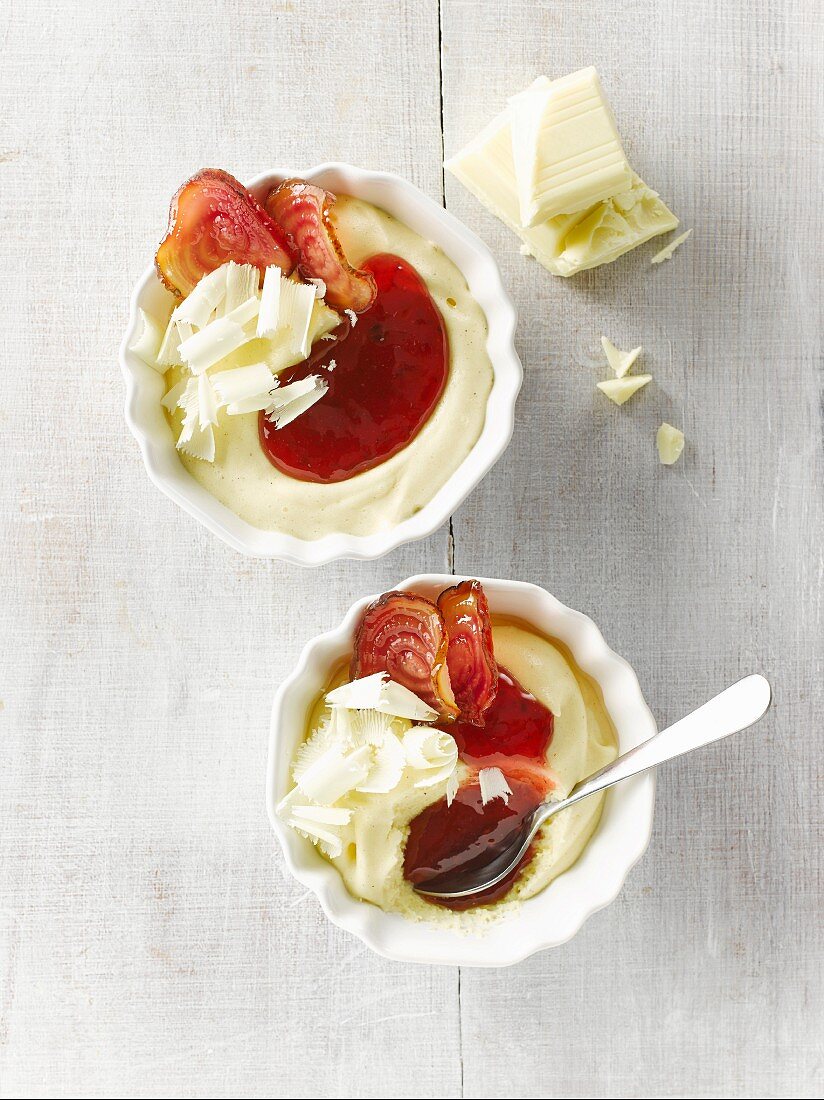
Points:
x=403 y=634
x=214 y=219
x=302 y=211
x=473 y=671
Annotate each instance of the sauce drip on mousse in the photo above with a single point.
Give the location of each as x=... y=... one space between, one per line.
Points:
x=515 y=736
x=390 y=369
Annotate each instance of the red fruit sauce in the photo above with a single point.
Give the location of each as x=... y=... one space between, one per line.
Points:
x=515 y=737
x=391 y=368
x=516 y=724
x=442 y=838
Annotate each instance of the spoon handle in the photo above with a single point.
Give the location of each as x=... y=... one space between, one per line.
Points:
x=734 y=709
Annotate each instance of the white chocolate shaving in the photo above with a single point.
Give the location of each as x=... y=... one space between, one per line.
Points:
x=242 y=283
x=335 y=773
x=620 y=390
x=493 y=785
x=244 y=389
x=146 y=345
x=168 y=354
x=287 y=403
x=320 y=287
x=431 y=752
x=670 y=443
x=320 y=824
x=202 y=302
x=199 y=443
x=297 y=301
x=620 y=361
x=173 y=397
x=207 y=401
x=334 y=729
x=353 y=317
x=667 y=251
x=323 y=815
x=452 y=787
x=378 y=692
x=374 y=729
x=199 y=404
x=219 y=338
x=270 y=302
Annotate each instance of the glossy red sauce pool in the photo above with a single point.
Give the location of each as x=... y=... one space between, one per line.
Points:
x=515 y=737
x=442 y=838
x=390 y=370
x=516 y=724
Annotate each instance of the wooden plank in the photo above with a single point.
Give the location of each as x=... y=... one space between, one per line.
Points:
x=705 y=977
x=151 y=943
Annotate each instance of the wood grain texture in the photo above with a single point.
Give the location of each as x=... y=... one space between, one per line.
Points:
x=151 y=943
x=705 y=978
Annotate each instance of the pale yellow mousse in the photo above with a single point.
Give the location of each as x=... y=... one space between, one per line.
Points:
x=243 y=479
x=371 y=862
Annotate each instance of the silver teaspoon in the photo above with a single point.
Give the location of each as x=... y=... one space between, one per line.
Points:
x=734 y=709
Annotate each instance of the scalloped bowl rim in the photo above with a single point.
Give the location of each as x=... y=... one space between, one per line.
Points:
x=551 y=917
x=144 y=386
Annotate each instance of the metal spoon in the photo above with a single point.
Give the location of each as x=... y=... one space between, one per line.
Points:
x=734 y=709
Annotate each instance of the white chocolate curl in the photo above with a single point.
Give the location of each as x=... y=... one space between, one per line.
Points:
x=431 y=752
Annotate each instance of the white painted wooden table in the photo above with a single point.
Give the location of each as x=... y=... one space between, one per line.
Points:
x=150 y=942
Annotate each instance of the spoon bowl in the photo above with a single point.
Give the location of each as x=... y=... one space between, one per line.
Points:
x=736 y=708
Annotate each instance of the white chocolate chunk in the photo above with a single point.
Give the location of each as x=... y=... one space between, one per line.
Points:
x=147 y=343
x=670 y=443
x=667 y=251
x=493 y=785
x=378 y=692
x=566 y=148
x=621 y=390
x=620 y=361
x=567 y=243
x=614 y=227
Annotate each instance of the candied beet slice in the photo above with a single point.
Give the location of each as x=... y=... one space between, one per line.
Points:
x=302 y=210
x=473 y=671
x=214 y=219
x=403 y=634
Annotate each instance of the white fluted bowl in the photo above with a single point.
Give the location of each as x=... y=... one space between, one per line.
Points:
x=551 y=917
x=145 y=387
